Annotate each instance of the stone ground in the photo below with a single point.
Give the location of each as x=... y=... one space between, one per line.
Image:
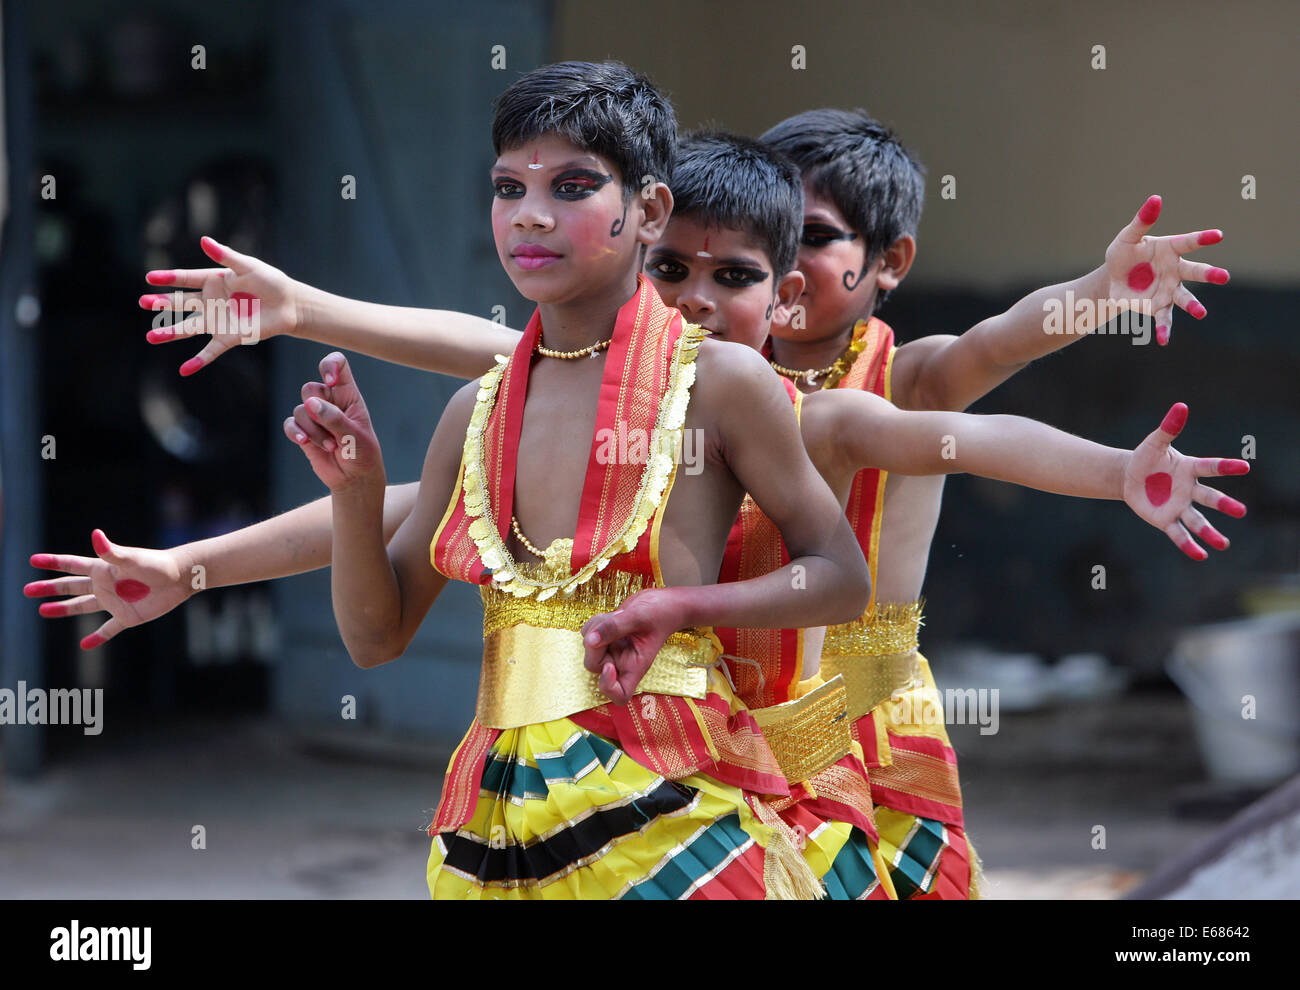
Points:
x=336 y=814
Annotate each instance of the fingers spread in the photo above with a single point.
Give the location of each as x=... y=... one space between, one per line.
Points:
x=1184 y=542
x=1142 y=221
x=62 y=562
x=1214 y=467
x=102 y=635
x=1198 y=524
x=1212 y=498
x=1174 y=421
x=1184 y=299
x=58 y=586
x=73 y=606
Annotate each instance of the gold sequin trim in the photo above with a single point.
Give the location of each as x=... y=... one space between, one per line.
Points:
x=810 y=733
x=883 y=630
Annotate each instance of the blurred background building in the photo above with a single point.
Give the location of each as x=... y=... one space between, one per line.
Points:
x=1051 y=124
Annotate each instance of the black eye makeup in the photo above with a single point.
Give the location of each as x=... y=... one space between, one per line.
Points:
x=666 y=269
x=503 y=188
x=739 y=277
x=821 y=234
x=580 y=183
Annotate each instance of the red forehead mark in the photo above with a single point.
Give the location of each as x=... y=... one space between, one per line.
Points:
x=1141 y=276
x=1209 y=237
x=1159 y=485
x=705 y=252
x=535 y=164
x=1150 y=210
x=130 y=590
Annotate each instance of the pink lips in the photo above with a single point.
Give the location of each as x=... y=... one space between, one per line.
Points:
x=533 y=256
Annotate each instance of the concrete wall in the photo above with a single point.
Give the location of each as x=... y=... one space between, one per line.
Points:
x=1050 y=156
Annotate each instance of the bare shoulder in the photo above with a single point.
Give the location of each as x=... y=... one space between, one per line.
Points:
x=733 y=376
x=907 y=380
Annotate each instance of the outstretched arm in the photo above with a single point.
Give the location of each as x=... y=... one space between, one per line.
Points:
x=826 y=580
x=1141 y=272
x=136 y=585
x=381 y=592
x=850 y=430
x=249 y=300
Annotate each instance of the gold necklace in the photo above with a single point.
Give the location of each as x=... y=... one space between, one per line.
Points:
x=582 y=352
x=832 y=372
x=539 y=554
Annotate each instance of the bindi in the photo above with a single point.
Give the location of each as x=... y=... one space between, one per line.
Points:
x=705 y=252
x=535 y=164
x=130 y=590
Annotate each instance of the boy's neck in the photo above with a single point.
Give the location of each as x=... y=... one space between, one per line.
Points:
x=807 y=355
x=570 y=326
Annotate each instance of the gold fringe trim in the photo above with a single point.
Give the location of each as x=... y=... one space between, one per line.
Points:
x=665 y=441
x=786 y=874
x=978 y=882
x=882 y=630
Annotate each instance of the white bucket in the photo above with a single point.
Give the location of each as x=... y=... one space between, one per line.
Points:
x=1224 y=669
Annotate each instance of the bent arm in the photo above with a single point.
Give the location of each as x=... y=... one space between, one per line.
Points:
x=382 y=593
x=826 y=580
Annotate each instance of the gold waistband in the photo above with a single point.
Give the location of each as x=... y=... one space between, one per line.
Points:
x=810 y=733
x=871 y=680
x=533 y=674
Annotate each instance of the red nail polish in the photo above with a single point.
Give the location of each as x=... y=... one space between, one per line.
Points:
x=36 y=589
x=52 y=610
x=213 y=247
x=1234 y=466
x=1209 y=237
x=157 y=336
x=1197 y=310
x=91 y=641
x=161 y=277
x=1219 y=276
x=1175 y=419
x=1141 y=276
x=42 y=560
x=191 y=366
x=1150 y=210
x=1232 y=507
x=1162 y=335
x=100 y=542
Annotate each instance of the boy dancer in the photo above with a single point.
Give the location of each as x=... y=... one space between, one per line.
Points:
x=753 y=236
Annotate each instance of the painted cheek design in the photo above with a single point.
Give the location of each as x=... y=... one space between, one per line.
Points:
x=1159 y=485
x=616 y=227
x=130 y=590
x=1150 y=210
x=1141 y=276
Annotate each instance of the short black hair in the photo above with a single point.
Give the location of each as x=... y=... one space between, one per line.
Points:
x=602 y=107
x=861 y=166
x=725 y=180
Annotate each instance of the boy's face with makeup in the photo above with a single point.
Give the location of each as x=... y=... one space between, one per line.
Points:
x=720 y=278
x=561 y=222
x=832 y=256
